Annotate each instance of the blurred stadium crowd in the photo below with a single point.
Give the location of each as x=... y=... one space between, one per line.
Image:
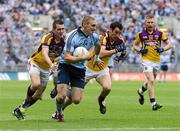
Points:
x=18 y=40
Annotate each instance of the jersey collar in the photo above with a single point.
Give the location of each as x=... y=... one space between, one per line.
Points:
x=80 y=31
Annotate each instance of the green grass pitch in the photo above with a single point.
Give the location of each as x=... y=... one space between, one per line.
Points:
x=124 y=113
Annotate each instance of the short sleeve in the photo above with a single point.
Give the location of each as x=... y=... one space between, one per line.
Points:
x=96 y=38
x=104 y=41
x=69 y=43
x=137 y=39
x=46 y=40
x=164 y=37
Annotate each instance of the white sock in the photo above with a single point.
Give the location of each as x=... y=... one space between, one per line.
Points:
x=140 y=91
x=153 y=103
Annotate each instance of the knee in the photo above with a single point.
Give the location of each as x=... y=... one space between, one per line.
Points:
x=76 y=100
x=61 y=92
x=35 y=85
x=60 y=97
x=151 y=82
x=107 y=88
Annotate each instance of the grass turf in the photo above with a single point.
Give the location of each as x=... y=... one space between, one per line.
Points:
x=123 y=110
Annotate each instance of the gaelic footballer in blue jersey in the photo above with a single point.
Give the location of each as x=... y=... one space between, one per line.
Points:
x=72 y=69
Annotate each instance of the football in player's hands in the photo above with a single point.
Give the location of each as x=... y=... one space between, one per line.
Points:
x=79 y=51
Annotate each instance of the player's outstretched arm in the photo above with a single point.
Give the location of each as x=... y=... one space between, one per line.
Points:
x=106 y=53
x=97 y=60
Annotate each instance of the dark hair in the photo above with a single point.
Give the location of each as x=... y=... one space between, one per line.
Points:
x=59 y=22
x=116 y=24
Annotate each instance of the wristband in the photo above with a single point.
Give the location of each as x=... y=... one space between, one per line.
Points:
x=52 y=65
x=96 y=58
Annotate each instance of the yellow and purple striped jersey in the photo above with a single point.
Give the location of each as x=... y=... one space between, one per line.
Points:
x=109 y=45
x=55 y=49
x=150 y=41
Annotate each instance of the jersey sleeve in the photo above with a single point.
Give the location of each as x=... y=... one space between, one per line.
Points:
x=164 y=37
x=96 y=39
x=104 y=41
x=137 y=39
x=46 y=40
x=69 y=40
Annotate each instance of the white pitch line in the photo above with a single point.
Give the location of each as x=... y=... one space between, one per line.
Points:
x=104 y=129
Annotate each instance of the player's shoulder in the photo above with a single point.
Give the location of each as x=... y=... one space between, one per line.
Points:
x=46 y=37
x=143 y=31
x=158 y=31
x=138 y=34
x=71 y=35
x=95 y=35
x=73 y=32
x=103 y=36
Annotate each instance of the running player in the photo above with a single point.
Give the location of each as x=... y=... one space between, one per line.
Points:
x=40 y=64
x=148 y=44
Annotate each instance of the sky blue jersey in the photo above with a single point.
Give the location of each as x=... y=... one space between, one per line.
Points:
x=77 y=38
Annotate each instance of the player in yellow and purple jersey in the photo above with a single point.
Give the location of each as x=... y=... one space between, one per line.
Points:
x=148 y=44
x=112 y=43
x=40 y=64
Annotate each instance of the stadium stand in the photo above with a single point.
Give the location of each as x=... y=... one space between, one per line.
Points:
x=23 y=22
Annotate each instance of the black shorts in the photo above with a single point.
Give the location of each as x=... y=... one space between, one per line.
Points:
x=71 y=75
x=164 y=67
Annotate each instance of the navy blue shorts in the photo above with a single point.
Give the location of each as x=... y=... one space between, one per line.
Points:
x=164 y=67
x=71 y=75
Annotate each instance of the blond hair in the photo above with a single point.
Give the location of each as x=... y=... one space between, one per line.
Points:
x=86 y=19
x=149 y=17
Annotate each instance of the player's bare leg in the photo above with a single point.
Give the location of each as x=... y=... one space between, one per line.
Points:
x=161 y=76
x=73 y=95
x=66 y=98
x=140 y=92
x=38 y=90
x=53 y=92
x=67 y=102
x=150 y=80
x=19 y=112
x=60 y=98
x=105 y=82
x=76 y=95
x=164 y=76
